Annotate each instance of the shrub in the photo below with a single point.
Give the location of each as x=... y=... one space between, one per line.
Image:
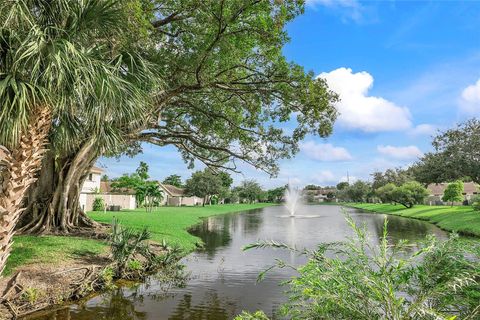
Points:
x=362 y=280
x=476 y=203
x=134 y=265
x=125 y=243
x=31 y=295
x=453 y=192
x=98 y=204
x=409 y=194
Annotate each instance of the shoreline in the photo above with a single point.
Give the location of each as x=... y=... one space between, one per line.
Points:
x=461 y=219
x=40 y=287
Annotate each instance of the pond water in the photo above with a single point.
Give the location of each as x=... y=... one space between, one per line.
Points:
x=223 y=277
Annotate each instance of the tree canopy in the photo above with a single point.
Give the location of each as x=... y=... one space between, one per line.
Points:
x=456 y=155
x=174 y=180
x=453 y=192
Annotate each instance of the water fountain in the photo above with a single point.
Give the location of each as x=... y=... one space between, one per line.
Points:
x=292 y=197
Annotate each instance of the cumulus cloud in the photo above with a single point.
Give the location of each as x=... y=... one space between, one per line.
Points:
x=423 y=130
x=402 y=153
x=470 y=98
x=324 y=177
x=324 y=152
x=360 y=111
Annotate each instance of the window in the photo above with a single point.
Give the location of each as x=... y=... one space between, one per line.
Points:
x=90 y=177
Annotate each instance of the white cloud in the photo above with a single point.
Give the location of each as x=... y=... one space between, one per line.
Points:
x=324 y=177
x=325 y=152
x=348 y=9
x=358 y=110
x=470 y=99
x=423 y=130
x=350 y=179
x=403 y=153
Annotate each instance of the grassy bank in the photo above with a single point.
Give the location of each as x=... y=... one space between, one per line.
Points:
x=462 y=219
x=51 y=250
x=171 y=223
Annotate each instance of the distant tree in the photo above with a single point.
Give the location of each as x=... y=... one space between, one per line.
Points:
x=409 y=194
x=147 y=193
x=276 y=194
x=142 y=171
x=105 y=178
x=456 y=155
x=174 y=180
x=453 y=192
x=359 y=191
x=342 y=185
x=250 y=190
x=396 y=176
x=204 y=184
x=312 y=187
x=385 y=193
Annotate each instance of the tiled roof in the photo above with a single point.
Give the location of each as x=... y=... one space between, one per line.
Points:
x=172 y=190
x=437 y=189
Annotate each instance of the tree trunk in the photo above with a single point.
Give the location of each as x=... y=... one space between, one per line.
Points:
x=20 y=166
x=53 y=205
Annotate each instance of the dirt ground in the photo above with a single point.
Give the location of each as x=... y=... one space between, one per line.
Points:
x=37 y=286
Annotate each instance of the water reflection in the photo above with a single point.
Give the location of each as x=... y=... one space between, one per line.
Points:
x=223 y=277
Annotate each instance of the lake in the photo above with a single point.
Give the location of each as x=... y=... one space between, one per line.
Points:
x=222 y=279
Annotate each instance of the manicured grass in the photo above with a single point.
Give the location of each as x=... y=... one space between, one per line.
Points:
x=171 y=223
x=462 y=219
x=50 y=249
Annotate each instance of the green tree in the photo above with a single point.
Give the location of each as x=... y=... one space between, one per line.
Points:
x=174 y=180
x=250 y=190
x=456 y=155
x=204 y=184
x=385 y=193
x=227 y=90
x=453 y=192
x=105 y=178
x=57 y=71
x=359 y=191
x=147 y=193
x=396 y=176
x=276 y=194
x=409 y=194
x=342 y=185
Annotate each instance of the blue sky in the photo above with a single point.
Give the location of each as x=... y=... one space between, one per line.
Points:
x=403 y=69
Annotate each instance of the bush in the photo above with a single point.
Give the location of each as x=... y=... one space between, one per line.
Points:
x=98 y=204
x=363 y=280
x=410 y=194
x=476 y=203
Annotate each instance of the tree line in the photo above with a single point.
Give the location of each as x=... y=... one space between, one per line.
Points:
x=453 y=161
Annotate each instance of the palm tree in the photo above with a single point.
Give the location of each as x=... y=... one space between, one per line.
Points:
x=59 y=65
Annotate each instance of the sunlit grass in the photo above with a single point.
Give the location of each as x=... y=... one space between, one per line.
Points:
x=50 y=249
x=462 y=219
x=171 y=223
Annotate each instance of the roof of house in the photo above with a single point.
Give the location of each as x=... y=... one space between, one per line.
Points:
x=106 y=187
x=172 y=190
x=95 y=169
x=437 y=189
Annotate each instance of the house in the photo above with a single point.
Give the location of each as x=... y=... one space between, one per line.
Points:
x=470 y=189
x=93 y=187
x=175 y=196
x=320 y=195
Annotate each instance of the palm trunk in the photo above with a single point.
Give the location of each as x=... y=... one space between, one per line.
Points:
x=21 y=165
x=53 y=204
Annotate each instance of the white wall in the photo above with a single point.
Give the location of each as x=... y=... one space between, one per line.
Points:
x=125 y=201
x=90 y=185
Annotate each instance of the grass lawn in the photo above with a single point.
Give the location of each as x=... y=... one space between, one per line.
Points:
x=171 y=223
x=50 y=249
x=462 y=219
